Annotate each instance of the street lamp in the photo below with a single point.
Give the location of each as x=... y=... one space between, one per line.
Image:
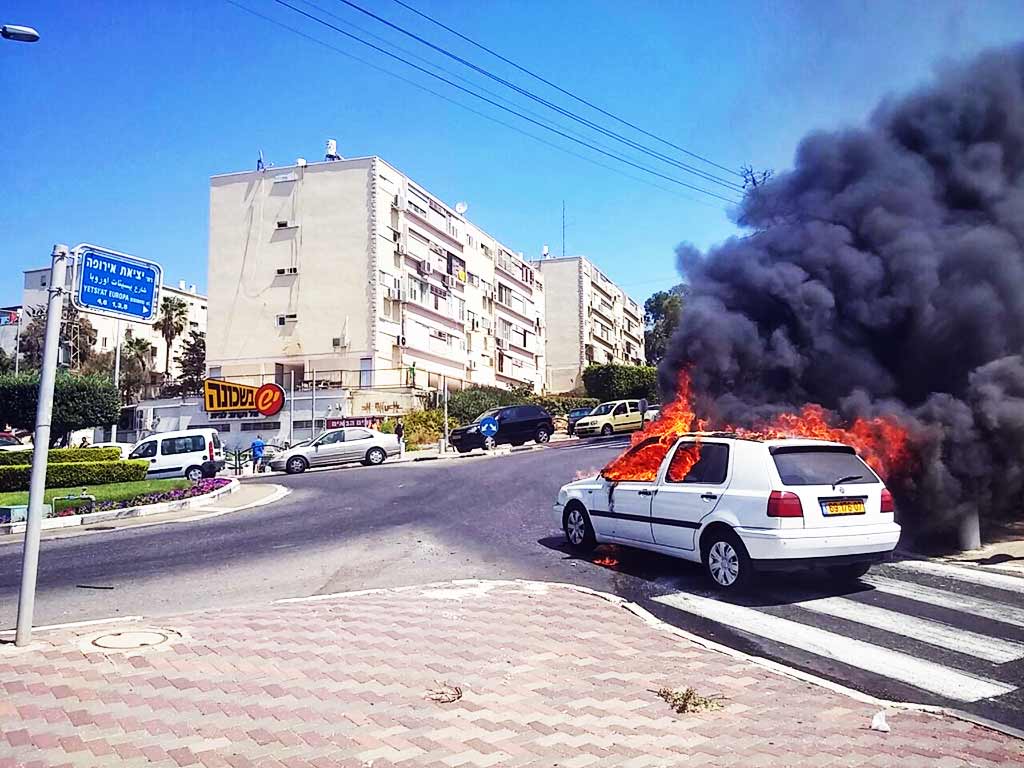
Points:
x=18 y=33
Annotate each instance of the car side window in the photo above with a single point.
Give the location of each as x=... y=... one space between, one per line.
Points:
x=706 y=463
x=333 y=437
x=509 y=414
x=620 y=409
x=357 y=434
x=175 y=445
x=145 y=451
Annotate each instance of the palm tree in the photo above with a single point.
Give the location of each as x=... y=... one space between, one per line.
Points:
x=135 y=356
x=173 y=317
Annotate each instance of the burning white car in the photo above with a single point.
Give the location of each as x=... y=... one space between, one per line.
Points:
x=738 y=506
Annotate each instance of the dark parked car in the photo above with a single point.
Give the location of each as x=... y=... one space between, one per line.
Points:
x=575 y=415
x=516 y=425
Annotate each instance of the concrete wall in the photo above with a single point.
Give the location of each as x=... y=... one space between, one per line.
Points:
x=326 y=211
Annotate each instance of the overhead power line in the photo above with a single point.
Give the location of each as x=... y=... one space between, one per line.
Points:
x=550 y=105
x=460 y=105
x=504 y=108
x=568 y=93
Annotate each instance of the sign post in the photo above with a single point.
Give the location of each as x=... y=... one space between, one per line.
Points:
x=106 y=283
x=41 y=444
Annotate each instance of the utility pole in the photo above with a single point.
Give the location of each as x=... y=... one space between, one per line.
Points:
x=444 y=383
x=41 y=444
x=17 y=341
x=117 y=373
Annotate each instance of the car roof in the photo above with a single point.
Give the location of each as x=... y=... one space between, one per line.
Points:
x=794 y=442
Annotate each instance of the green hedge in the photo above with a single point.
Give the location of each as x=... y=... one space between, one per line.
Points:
x=70 y=475
x=621 y=382
x=425 y=427
x=464 y=406
x=61 y=456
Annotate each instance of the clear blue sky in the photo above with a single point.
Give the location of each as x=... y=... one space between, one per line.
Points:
x=112 y=125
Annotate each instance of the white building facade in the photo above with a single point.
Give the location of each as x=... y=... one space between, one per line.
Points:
x=596 y=321
x=349 y=274
x=34 y=295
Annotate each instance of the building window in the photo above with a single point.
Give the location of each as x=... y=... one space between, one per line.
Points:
x=504 y=294
x=261 y=426
x=417 y=290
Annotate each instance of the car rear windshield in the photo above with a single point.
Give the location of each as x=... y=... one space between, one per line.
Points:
x=821 y=466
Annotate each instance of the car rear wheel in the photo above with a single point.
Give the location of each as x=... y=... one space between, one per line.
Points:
x=606 y=430
x=850 y=572
x=295 y=465
x=578 y=530
x=194 y=474
x=542 y=436
x=726 y=561
x=462 y=449
x=375 y=456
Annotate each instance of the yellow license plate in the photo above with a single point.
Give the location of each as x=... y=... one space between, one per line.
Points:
x=853 y=507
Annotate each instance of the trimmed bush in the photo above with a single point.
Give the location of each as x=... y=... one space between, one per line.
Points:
x=70 y=475
x=79 y=402
x=61 y=456
x=467 y=404
x=560 y=405
x=621 y=382
x=425 y=427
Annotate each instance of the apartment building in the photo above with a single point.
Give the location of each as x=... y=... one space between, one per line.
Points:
x=35 y=294
x=596 y=321
x=347 y=273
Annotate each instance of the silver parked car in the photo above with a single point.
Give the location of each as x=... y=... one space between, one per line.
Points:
x=338 y=446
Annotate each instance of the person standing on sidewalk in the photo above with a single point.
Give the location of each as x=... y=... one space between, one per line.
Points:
x=257 y=448
x=400 y=434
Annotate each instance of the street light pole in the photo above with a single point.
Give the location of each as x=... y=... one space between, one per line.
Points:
x=117 y=373
x=41 y=445
x=18 y=33
x=17 y=341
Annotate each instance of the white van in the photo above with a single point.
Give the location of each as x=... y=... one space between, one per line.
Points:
x=191 y=453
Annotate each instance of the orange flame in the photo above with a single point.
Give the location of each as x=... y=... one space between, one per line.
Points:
x=607 y=562
x=882 y=442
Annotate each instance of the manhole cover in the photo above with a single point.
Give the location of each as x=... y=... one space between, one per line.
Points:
x=130 y=639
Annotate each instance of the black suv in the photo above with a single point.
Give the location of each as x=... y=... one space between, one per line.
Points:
x=516 y=425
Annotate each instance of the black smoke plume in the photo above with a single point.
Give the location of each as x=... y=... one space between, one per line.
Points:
x=884 y=274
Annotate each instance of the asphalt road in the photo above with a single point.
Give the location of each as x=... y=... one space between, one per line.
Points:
x=490 y=518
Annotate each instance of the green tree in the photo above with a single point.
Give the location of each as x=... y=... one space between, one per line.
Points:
x=99 y=364
x=77 y=336
x=192 y=362
x=136 y=354
x=6 y=362
x=661 y=316
x=170 y=325
x=621 y=382
x=79 y=402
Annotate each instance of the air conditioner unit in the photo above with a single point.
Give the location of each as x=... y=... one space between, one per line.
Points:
x=394 y=202
x=396 y=235
x=338 y=342
x=500 y=343
x=285 y=224
x=475 y=324
x=448 y=281
x=390 y=293
x=288 y=270
x=485 y=323
x=285 y=319
x=403 y=295
x=400 y=249
x=425 y=267
x=401 y=341
x=473 y=365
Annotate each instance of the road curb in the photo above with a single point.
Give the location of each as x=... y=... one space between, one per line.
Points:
x=70 y=521
x=653 y=621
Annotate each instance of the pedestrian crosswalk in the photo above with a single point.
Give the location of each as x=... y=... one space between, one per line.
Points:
x=918 y=623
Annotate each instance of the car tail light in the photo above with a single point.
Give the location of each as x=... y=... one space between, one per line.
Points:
x=888 y=505
x=784 y=504
x=209 y=445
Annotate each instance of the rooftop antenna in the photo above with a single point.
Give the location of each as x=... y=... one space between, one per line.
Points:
x=461 y=208
x=563 y=229
x=259 y=162
x=332 y=150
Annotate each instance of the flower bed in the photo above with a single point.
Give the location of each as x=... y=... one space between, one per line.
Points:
x=198 y=489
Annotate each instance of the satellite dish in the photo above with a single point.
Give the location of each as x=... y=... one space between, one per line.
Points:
x=461 y=208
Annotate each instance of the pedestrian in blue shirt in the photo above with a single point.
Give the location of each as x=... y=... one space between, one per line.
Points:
x=257 y=453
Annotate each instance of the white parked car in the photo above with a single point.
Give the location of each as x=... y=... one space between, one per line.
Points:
x=191 y=453
x=124 y=448
x=745 y=506
x=338 y=446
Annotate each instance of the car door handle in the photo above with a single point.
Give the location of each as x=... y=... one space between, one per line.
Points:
x=645 y=492
x=152 y=461
x=708 y=496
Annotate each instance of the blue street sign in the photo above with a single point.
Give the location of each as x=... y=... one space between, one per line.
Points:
x=488 y=426
x=115 y=284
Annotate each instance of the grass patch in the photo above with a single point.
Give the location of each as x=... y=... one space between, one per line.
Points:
x=111 y=492
x=689 y=700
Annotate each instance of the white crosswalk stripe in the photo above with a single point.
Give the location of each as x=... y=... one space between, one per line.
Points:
x=927 y=631
x=922 y=674
x=974 y=606
x=970 y=574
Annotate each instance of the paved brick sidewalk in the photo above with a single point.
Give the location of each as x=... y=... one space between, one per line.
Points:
x=549 y=676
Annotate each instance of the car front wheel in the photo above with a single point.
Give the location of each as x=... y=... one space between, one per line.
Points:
x=489 y=443
x=726 y=561
x=578 y=530
x=295 y=465
x=375 y=456
x=607 y=430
